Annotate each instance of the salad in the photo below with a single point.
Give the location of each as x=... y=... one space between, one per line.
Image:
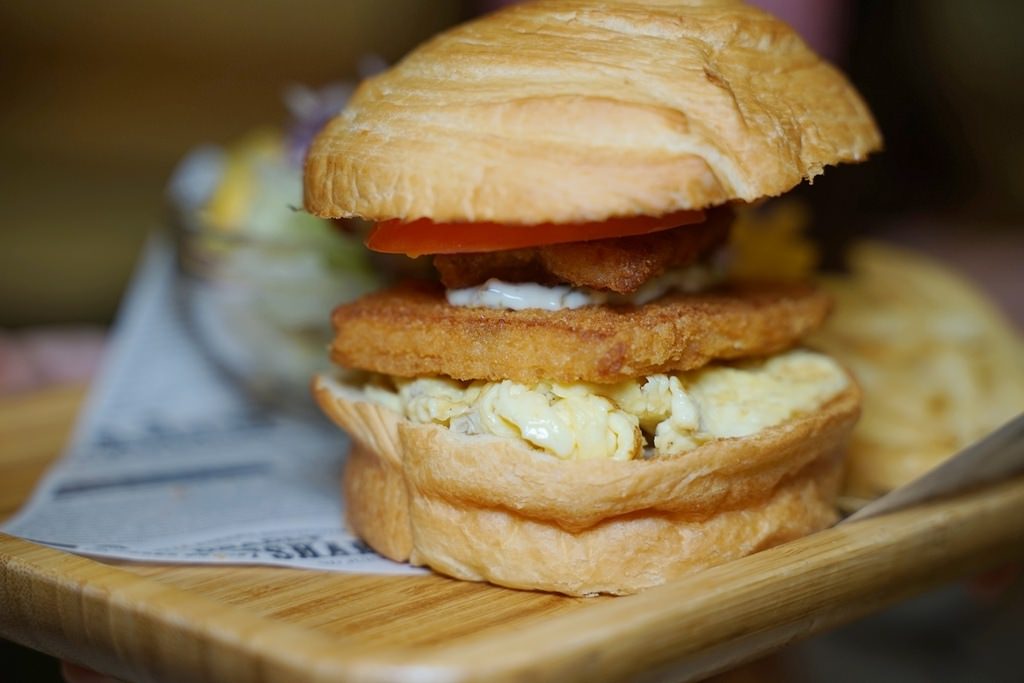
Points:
x=258 y=272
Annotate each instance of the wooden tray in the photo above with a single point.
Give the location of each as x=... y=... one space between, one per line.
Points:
x=216 y=624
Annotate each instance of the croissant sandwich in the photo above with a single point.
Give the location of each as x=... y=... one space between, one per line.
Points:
x=578 y=402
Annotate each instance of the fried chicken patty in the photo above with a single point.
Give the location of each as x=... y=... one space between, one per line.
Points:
x=411 y=331
x=621 y=264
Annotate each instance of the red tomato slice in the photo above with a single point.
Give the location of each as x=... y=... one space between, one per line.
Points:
x=424 y=236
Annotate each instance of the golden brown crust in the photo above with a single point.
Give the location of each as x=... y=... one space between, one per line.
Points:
x=482 y=508
x=374 y=476
x=382 y=516
x=411 y=331
x=623 y=555
x=576 y=110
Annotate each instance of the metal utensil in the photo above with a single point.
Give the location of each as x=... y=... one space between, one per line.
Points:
x=998 y=456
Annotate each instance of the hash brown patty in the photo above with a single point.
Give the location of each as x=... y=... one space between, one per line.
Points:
x=411 y=331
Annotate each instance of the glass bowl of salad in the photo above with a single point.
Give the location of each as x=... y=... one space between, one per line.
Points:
x=258 y=276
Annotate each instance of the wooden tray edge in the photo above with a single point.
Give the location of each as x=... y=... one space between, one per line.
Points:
x=117 y=622
x=139 y=629
x=695 y=627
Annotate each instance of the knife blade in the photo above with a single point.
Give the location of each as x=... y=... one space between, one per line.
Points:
x=997 y=456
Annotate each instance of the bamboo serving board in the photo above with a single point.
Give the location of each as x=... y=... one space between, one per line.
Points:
x=172 y=624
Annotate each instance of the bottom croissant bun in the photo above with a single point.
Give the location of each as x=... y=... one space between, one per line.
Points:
x=484 y=508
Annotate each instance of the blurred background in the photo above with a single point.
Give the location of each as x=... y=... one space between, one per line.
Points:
x=102 y=100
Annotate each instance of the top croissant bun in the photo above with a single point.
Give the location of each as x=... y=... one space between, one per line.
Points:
x=582 y=110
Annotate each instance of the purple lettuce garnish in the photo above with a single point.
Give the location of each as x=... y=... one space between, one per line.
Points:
x=311 y=109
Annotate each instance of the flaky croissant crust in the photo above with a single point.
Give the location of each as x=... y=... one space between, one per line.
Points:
x=484 y=508
x=580 y=110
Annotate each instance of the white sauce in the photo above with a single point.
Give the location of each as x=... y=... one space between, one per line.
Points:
x=518 y=296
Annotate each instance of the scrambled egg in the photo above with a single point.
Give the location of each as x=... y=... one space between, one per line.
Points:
x=660 y=415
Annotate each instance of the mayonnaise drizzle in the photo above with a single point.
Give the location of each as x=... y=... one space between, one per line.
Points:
x=519 y=296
